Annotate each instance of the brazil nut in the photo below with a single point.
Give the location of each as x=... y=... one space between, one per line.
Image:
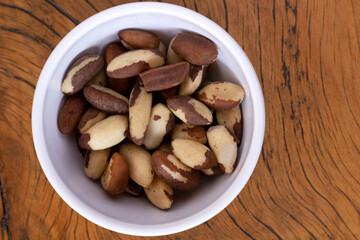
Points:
x=173 y=172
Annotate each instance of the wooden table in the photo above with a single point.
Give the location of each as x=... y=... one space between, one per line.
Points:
x=306 y=183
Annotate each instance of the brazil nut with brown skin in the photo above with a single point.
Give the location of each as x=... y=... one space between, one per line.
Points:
x=70 y=114
x=133 y=62
x=116 y=176
x=165 y=77
x=90 y=118
x=139 y=160
x=232 y=120
x=139 y=113
x=161 y=122
x=224 y=146
x=96 y=162
x=193 y=81
x=173 y=172
x=159 y=194
x=104 y=134
x=119 y=85
x=185 y=131
x=80 y=73
x=194 y=48
x=133 y=38
x=190 y=110
x=193 y=154
x=106 y=99
x=221 y=95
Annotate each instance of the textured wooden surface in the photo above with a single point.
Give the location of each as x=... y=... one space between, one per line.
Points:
x=306 y=184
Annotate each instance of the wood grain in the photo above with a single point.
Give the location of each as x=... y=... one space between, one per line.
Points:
x=306 y=184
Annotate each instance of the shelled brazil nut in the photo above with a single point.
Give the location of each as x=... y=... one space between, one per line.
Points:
x=143 y=115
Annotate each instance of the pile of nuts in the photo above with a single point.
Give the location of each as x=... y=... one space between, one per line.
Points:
x=144 y=115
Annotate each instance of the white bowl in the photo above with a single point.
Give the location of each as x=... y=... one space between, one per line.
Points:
x=61 y=160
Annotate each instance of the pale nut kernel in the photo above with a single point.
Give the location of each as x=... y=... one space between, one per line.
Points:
x=190 y=110
x=171 y=56
x=193 y=154
x=224 y=146
x=134 y=62
x=116 y=176
x=193 y=81
x=159 y=194
x=105 y=134
x=139 y=113
x=139 y=160
x=80 y=73
x=232 y=120
x=173 y=172
x=221 y=95
x=161 y=122
x=96 y=162
x=99 y=79
x=185 y=131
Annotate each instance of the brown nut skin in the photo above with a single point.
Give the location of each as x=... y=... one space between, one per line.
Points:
x=221 y=95
x=119 y=85
x=139 y=39
x=139 y=113
x=189 y=110
x=185 y=131
x=193 y=154
x=133 y=189
x=165 y=94
x=113 y=50
x=90 y=118
x=194 y=48
x=80 y=73
x=173 y=172
x=106 y=99
x=70 y=114
x=133 y=62
x=165 y=77
x=214 y=171
x=116 y=176
x=159 y=194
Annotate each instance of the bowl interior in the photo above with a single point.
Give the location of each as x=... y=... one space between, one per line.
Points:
x=62 y=150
